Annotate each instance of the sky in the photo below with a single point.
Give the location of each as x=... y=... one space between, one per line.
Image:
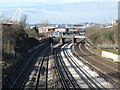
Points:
x=62 y=11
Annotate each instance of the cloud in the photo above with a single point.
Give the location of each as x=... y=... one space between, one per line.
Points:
x=63 y=12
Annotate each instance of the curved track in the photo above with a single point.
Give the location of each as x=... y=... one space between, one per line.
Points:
x=66 y=77
x=109 y=68
x=88 y=79
x=71 y=73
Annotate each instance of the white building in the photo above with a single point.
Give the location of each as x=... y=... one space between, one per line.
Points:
x=114 y=22
x=42 y=30
x=60 y=29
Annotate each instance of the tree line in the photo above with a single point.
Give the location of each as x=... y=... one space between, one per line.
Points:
x=100 y=35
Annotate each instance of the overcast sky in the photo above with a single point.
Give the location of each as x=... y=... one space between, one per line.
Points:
x=62 y=11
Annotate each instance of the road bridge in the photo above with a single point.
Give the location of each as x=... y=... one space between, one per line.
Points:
x=73 y=37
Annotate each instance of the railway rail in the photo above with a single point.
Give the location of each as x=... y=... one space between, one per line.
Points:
x=66 y=74
x=35 y=74
x=21 y=79
x=106 y=69
x=88 y=79
x=66 y=77
x=110 y=64
x=39 y=74
x=18 y=83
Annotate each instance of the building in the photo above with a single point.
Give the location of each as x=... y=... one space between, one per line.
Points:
x=42 y=30
x=114 y=22
x=60 y=29
x=50 y=29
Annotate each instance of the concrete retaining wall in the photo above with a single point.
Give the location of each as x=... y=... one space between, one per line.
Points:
x=110 y=55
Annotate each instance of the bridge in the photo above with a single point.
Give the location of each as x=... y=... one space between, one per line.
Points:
x=68 y=35
x=73 y=37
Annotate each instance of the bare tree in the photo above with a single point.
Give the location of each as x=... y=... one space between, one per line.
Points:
x=23 y=20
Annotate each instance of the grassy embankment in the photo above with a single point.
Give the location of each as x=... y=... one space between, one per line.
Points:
x=98 y=35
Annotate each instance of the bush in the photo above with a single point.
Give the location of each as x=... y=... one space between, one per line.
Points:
x=94 y=37
x=109 y=35
x=100 y=35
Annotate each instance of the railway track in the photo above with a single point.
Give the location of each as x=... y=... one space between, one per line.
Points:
x=20 y=81
x=35 y=74
x=39 y=74
x=106 y=69
x=25 y=71
x=77 y=77
x=111 y=65
x=66 y=77
x=86 y=77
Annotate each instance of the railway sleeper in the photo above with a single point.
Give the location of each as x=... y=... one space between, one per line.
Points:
x=107 y=77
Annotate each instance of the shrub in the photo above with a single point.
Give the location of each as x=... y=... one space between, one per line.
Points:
x=109 y=35
x=94 y=37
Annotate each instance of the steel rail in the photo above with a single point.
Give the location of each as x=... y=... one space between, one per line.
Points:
x=65 y=70
x=62 y=78
x=23 y=71
x=39 y=73
x=75 y=85
x=90 y=78
x=112 y=75
x=69 y=58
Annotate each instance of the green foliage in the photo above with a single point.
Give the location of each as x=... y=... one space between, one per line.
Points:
x=98 y=35
x=94 y=37
x=109 y=35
